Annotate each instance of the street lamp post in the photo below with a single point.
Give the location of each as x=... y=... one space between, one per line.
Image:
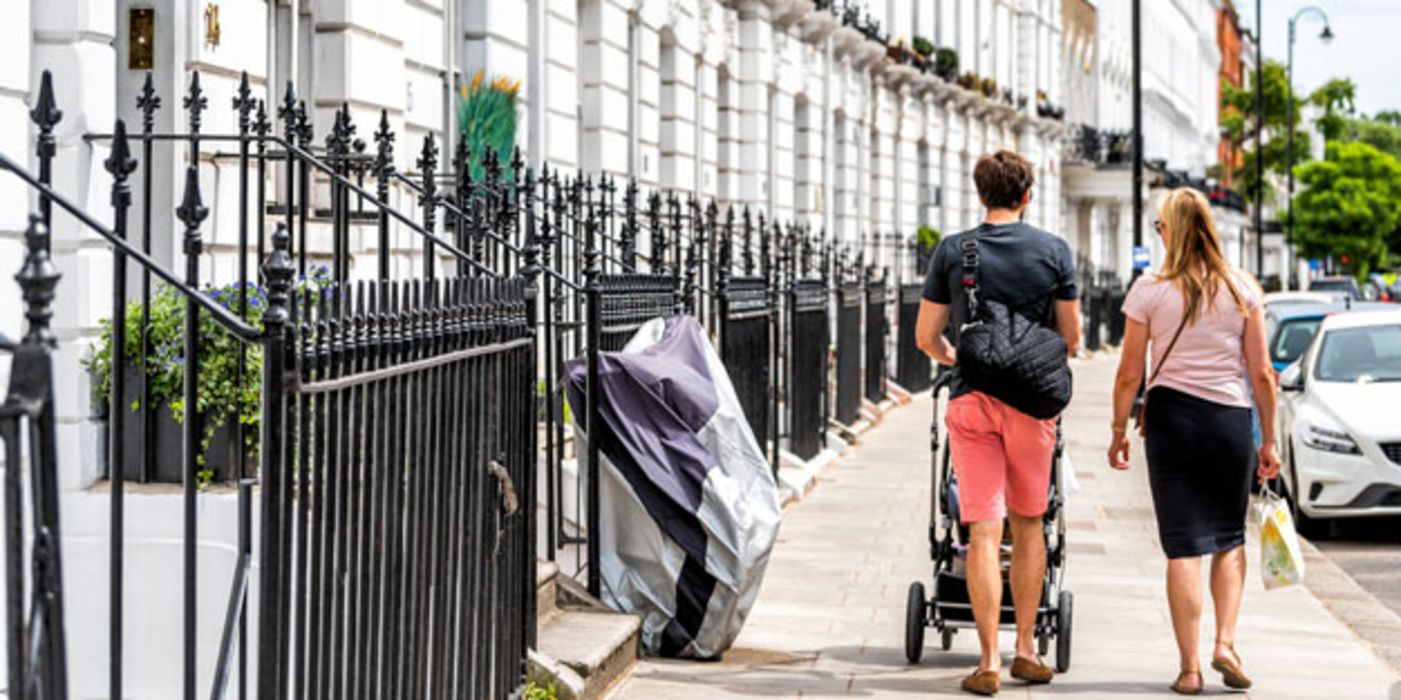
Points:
x=1137 y=129
x=1259 y=160
x=1325 y=36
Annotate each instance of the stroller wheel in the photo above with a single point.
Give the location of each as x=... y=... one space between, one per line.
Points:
x=914 y=623
x=1064 y=617
x=946 y=638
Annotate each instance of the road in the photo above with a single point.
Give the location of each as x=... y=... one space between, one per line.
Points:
x=1369 y=550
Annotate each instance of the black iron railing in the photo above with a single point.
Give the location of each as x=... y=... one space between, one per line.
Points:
x=405 y=395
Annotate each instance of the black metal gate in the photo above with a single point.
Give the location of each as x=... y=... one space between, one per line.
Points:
x=412 y=438
x=807 y=348
x=744 y=345
x=618 y=304
x=912 y=366
x=849 y=383
x=876 y=324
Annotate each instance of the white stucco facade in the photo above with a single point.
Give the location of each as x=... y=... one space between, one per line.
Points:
x=770 y=104
x=1181 y=60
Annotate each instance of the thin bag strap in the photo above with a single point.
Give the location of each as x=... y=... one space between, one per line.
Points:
x=1171 y=344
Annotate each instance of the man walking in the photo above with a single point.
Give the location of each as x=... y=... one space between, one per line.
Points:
x=1001 y=456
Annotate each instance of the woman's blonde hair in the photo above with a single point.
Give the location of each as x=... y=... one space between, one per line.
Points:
x=1195 y=264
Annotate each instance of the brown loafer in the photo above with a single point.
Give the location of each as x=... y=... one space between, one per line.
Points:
x=1230 y=669
x=982 y=682
x=1032 y=671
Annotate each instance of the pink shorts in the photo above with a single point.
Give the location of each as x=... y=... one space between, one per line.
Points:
x=1001 y=456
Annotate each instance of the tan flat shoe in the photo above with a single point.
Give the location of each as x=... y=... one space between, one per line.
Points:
x=1180 y=689
x=1230 y=669
x=982 y=682
x=1032 y=671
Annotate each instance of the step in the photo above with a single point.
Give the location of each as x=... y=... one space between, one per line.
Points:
x=546 y=591
x=598 y=647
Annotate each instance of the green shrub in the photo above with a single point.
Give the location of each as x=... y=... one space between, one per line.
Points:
x=222 y=394
x=535 y=691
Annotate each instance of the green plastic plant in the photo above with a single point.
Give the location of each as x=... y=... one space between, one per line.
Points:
x=486 y=114
x=222 y=394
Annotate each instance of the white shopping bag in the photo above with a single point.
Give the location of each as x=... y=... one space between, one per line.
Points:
x=1281 y=557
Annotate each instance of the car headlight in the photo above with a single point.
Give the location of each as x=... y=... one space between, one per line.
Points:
x=1330 y=441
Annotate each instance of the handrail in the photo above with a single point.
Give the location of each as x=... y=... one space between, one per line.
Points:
x=306 y=156
x=229 y=320
x=452 y=209
x=315 y=162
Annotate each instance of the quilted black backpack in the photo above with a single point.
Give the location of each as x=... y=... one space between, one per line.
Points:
x=1008 y=356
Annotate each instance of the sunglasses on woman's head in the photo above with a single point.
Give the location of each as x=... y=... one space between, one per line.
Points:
x=1158 y=225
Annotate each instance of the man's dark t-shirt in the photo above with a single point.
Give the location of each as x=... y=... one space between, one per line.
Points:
x=1021 y=266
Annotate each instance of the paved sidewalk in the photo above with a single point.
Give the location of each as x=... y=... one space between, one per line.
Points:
x=830 y=619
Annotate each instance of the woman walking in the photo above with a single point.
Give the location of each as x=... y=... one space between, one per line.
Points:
x=1203 y=321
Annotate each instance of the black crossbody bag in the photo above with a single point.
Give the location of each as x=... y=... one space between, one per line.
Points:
x=1008 y=356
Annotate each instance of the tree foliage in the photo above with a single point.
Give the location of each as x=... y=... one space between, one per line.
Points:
x=1239 y=125
x=1335 y=97
x=1377 y=132
x=1349 y=205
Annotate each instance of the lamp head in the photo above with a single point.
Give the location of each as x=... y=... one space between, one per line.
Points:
x=1326 y=36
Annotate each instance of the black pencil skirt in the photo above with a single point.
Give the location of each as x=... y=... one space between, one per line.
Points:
x=1201 y=458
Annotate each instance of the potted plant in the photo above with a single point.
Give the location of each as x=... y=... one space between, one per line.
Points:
x=968 y=81
x=946 y=63
x=988 y=87
x=922 y=46
x=926 y=240
x=226 y=398
x=896 y=52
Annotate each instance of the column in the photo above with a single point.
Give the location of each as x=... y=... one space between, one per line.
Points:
x=76 y=44
x=754 y=76
x=605 y=87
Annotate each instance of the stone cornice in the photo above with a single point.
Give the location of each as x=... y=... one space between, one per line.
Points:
x=819 y=25
x=848 y=41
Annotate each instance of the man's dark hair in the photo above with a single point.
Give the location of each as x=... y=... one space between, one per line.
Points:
x=1002 y=179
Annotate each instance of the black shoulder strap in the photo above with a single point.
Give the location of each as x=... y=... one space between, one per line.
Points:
x=970 y=273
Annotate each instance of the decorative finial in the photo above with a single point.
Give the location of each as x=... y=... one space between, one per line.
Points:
x=243 y=102
x=120 y=164
x=195 y=103
x=192 y=212
x=37 y=278
x=148 y=102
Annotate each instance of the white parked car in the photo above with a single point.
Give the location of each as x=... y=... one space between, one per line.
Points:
x=1274 y=299
x=1340 y=419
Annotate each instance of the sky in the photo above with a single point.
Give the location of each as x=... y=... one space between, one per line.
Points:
x=1366 y=45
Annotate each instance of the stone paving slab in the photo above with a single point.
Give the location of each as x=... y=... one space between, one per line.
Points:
x=829 y=622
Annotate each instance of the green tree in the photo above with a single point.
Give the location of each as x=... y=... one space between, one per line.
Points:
x=1335 y=97
x=1388 y=116
x=1350 y=203
x=1380 y=134
x=1239 y=124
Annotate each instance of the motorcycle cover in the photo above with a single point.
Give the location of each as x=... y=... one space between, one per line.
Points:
x=690 y=508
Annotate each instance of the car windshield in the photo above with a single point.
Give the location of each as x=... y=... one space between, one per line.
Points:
x=1292 y=338
x=1364 y=354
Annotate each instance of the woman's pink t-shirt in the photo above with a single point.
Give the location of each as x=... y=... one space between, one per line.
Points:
x=1209 y=359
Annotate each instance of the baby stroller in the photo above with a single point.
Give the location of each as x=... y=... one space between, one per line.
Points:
x=948 y=609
